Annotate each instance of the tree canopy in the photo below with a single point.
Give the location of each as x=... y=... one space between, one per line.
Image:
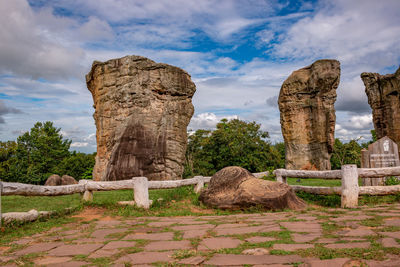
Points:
x=233 y=143
x=39 y=153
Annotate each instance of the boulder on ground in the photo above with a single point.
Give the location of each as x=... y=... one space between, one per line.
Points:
x=53 y=180
x=236 y=188
x=67 y=180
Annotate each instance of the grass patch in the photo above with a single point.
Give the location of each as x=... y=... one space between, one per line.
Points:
x=314 y=182
x=40 y=203
x=332 y=201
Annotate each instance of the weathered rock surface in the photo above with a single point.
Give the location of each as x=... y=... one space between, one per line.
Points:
x=142 y=109
x=306 y=102
x=53 y=180
x=67 y=180
x=236 y=188
x=383 y=93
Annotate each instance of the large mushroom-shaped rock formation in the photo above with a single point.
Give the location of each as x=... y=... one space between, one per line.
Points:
x=236 y=188
x=306 y=102
x=383 y=93
x=142 y=109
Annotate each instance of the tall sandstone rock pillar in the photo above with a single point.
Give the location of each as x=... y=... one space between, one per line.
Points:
x=383 y=93
x=306 y=102
x=142 y=110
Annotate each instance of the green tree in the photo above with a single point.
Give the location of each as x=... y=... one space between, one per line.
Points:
x=7 y=159
x=78 y=165
x=345 y=153
x=234 y=142
x=38 y=153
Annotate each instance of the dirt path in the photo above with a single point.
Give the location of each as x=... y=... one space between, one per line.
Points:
x=330 y=237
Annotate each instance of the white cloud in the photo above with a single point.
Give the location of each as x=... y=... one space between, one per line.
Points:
x=355 y=32
x=79 y=144
x=207 y=120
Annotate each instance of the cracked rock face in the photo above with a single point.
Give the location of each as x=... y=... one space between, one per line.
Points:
x=306 y=102
x=142 y=109
x=383 y=93
x=236 y=188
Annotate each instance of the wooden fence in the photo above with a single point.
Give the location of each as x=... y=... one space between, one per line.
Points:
x=349 y=190
x=349 y=174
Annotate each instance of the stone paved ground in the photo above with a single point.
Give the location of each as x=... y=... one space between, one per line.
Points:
x=369 y=236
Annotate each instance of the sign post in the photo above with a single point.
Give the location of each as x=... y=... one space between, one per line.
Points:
x=382 y=153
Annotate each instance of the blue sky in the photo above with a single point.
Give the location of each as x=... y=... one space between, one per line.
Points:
x=237 y=52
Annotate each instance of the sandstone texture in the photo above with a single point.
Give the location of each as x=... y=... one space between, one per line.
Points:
x=142 y=109
x=306 y=102
x=53 y=180
x=383 y=93
x=67 y=180
x=236 y=188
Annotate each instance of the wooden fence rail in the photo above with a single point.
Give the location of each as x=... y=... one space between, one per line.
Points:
x=349 y=174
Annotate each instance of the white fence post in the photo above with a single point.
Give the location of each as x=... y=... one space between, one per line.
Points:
x=350 y=188
x=141 y=192
x=87 y=195
x=199 y=185
x=279 y=177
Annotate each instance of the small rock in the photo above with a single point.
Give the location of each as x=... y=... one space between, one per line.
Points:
x=256 y=251
x=67 y=180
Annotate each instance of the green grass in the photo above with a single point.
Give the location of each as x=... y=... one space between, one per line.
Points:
x=313 y=182
x=55 y=203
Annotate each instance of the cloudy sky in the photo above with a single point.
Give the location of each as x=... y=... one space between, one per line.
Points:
x=238 y=53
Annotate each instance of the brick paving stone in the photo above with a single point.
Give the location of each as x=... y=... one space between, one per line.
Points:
x=196 y=260
x=69 y=264
x=103 y=253
x=147 y=257
x=218 y=243
x=390 y=242
x=192 y=221
x=153 y=236
x=52 y=260
x=299 y=238
x=160 y=224
x=302 y=226
x=146 y=229
x=259 y=239
x=192 y=227
x=291 y=247
x=256 y=251
x=234 y=260
x=386 y=263
x=395 y=222
x=23 y=241
x=326 y=263
x=357 y=232
x=326 y=240
x=391 y=234
x=241 y=230
x=168 y=245
x=349 y=245
x=194 y=233
x=354 y=217
x=352 y=239
x=230 y=225
x=39 y=247
x=306 y=217
x=72 y=250
x=119 y=244
x=102 y=233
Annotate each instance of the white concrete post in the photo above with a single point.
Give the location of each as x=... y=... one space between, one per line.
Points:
x=199 y=185
x=141 y=192
x=350 y=188
x=87 y=195
x=280 y=178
